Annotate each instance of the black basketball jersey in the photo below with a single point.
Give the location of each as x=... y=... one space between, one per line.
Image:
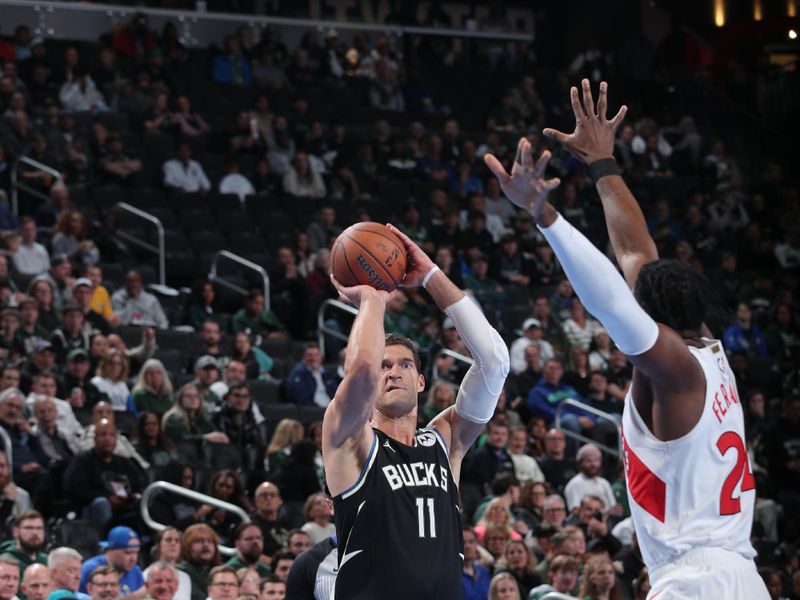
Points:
x=398 y=526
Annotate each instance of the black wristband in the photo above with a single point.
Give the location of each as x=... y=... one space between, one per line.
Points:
x=603 y=167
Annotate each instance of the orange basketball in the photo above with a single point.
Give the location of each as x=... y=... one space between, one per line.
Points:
x=369 y=254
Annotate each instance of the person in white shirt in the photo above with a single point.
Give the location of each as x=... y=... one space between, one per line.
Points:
x=531 y=334
x=185 y=174
x=588 y=481
x=525 y=466
x=81 y=94
x=235 y=183
x=31 y=258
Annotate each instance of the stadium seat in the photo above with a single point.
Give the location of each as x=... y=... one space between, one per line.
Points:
x=310 y=414
x=78 y=534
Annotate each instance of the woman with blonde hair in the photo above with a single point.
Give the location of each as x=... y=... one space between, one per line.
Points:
x=441 y=395
x=599 y=580
x=187 y=420
x=153 y=390
x=249 y=582
x=111 y=381
x=521 y=564
x=503 y=587
x=496 y=515
x=286 y=433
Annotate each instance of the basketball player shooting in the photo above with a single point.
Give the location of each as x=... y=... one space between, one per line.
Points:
x=691 y=490
x=394 y=487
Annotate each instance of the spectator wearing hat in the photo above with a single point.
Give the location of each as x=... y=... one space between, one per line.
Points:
x=36 y=584
x=29 y=461
x=82 y=294
x=65 y=574
x=103 y=485
x=29 y=539
x=206 y=372
x=31 y=258
x=134 y=306
x=588 y=481
x=310 y=383
x=531 y=334
x=72 y=335
x=121 y=551
x=75 y=385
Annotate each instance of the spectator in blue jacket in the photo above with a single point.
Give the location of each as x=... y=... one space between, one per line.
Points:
x=743 y=335
x=475 y=577
x=231 y=67
x=309 y=382
x=544 y=398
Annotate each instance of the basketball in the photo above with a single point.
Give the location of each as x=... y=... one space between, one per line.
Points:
x=369 y=254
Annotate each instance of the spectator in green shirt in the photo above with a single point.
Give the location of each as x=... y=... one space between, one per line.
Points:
x=249 y=546
x=254 y=319
x=187 y=420
x=153 y=390
x=488 y=292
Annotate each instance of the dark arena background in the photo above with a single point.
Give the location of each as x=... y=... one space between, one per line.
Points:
x=172 y=177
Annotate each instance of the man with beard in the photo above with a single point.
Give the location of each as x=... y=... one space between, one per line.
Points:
x=65 y=571
x=103 y=583
x=556 y=466
x=121 y=553
x=249 y=546
x=162 y=581
x=199 y=554
x=274 y=527
x=588 y=481
x=210 y=345
x=26 y=547
x=36 y=582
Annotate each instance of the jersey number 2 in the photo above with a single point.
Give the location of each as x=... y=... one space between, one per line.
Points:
x=421 y=502
x=728 y=505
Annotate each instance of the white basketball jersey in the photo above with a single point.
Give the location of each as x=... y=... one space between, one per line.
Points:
x=696 y=491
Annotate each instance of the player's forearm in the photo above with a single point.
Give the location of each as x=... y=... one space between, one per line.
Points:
x=365 y=345
x=627 y=228
x=443 y=291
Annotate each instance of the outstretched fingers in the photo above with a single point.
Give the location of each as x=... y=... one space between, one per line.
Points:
x=618 y=118
x=541 y=164
x=588 y=101
x=580 y=115
x=497 y=168
x=555 y=134
x=602 y=101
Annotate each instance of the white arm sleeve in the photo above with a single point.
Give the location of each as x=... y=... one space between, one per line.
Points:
x=602 y=289
x=481 y=386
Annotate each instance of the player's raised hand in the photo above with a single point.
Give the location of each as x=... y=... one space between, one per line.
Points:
x=593 y=137
x=526 y=186
x=419 y=263
x=357 y=294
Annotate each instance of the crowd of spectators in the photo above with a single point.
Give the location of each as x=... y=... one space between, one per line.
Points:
x=109 y=383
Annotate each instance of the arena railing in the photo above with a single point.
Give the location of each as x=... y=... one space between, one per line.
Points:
x=160 y=250
x=158 y=487
x=596 y=412
x=17 y=185
x=324 y=329
x=215 y=277
x=82 y=21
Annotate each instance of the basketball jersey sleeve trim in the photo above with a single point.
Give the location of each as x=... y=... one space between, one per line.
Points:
x=373 y=452
x=440 y=437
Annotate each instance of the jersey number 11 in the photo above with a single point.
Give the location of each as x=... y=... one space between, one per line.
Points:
x=421 y=502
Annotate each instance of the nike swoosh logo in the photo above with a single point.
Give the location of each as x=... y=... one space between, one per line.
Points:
x=347 y=557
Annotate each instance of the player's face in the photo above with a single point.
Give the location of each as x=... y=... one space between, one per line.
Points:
x=400 y=382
